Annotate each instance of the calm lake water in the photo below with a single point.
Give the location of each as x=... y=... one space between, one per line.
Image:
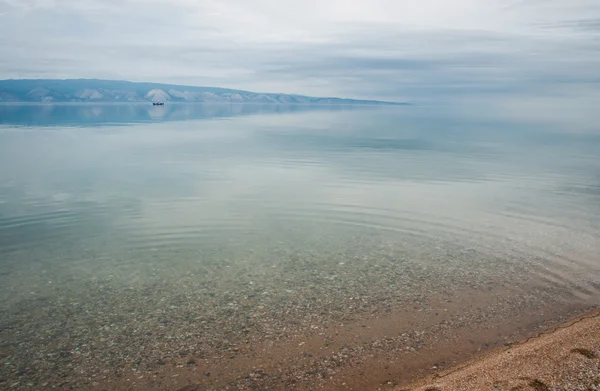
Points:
x=135 y=234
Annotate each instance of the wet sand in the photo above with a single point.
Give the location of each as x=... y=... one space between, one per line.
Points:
x=566 y=358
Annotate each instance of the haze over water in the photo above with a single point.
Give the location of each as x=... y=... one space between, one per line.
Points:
x=199 y=224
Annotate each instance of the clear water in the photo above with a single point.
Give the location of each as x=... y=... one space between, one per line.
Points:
x=109 y=213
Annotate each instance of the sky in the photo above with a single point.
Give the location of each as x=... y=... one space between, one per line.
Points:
x=370 y=49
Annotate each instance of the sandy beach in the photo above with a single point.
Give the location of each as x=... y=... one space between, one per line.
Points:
x=566 y=358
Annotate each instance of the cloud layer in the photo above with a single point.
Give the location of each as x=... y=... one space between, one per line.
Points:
x=382 y=49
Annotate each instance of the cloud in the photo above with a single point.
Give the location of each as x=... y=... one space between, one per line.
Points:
x=392 y=49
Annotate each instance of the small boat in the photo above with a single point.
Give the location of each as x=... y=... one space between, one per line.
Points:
x=158 y=103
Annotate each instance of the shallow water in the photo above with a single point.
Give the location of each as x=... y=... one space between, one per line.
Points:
x=183 y=226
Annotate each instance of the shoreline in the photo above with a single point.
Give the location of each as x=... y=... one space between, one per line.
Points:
x=378 y=365
x=566 y=357
x=159 y=336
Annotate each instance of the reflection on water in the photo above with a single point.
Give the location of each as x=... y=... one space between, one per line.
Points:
x=276 y=225
x=107 y=114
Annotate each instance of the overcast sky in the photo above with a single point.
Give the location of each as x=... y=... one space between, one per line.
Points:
x=385 y=49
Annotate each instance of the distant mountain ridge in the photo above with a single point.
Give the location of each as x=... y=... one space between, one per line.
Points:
x=94 y=90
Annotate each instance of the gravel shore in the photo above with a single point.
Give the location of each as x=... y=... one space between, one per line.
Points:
x=567 y=359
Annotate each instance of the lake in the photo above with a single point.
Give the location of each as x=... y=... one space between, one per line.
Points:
x=278 y=247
